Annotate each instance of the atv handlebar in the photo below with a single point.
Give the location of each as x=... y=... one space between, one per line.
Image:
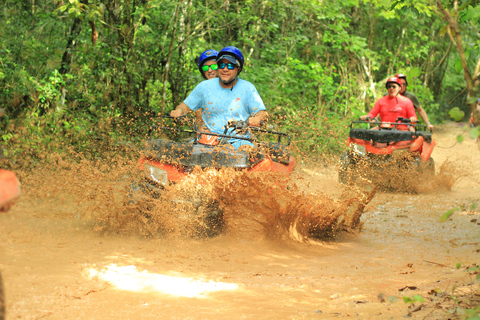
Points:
x=399 y=121
x=240 y=125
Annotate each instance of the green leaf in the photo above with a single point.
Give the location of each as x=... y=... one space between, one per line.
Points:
x=415 y=72
x=475 y=133
x=458 y=265
x=408 y=300
x=448 y=214
x=394 y=5
x=443 y=31
x=460 y=138
x=456 y=114
x=418 y=297
x=458 y=65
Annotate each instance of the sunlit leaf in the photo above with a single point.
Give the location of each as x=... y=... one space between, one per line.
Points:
x=418 y=298
x=460 y=138
x=408 y=300
x=394 y=5
x=415 y=72
x=475 y=133
x=456 y=114
x=448 y=214
x=458 y=265
x=458 y=65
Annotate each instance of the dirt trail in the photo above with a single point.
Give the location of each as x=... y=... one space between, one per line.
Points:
x=54 y=266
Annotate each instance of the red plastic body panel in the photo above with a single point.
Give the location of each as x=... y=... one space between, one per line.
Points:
x=270 y=166
x=9 y=189
x=418 y=144
x=177 y=173
x=174 y=172
x=427 y=150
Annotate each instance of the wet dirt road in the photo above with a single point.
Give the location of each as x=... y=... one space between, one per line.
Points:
x=55 y=266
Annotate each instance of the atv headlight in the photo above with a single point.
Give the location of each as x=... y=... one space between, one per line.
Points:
x=156 y=174
x=359 y=149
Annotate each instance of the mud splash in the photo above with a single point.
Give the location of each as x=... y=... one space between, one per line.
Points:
x=411 y=180
x=208 y=202
x=266 y=204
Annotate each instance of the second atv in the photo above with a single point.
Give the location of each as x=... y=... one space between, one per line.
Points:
x=381 y=149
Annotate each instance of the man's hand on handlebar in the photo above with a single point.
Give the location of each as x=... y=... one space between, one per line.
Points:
x=180 y=110
x=254 y=121
x=367 y=118
x=176 y=113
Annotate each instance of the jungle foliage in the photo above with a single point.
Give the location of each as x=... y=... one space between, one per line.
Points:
x=75 y=72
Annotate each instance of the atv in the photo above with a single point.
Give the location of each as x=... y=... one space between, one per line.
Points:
x=9 y=191
x=382 y=148
x=166 y=164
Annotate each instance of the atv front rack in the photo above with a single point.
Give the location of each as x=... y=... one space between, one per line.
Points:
x=239 y=125
x=388 y=135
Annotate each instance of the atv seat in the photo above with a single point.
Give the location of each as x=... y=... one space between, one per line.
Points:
x=388 y=136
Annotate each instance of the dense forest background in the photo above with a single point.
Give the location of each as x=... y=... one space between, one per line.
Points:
x=79 y=74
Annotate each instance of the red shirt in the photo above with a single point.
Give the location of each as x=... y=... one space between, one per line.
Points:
x=392 y=108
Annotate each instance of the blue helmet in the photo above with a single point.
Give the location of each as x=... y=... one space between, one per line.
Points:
x=204 y=57
x=232 y=51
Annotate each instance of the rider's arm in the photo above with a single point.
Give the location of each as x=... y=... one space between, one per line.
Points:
x=410 y=111
x=180 y=110
x=258 y=118
x=423 y=115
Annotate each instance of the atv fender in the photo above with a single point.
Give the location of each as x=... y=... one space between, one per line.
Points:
x=427 y=150
x=416 y=144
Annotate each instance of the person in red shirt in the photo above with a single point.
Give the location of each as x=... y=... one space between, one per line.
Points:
x=393 y=106
x=472 y=121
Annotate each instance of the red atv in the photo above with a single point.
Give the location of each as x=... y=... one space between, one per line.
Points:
x=166 y=163
x=9 y=191
x=386 y=149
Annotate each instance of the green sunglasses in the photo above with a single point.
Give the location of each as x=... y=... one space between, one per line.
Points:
x=213 y=66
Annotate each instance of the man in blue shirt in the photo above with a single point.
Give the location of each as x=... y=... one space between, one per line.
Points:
x=226 y=98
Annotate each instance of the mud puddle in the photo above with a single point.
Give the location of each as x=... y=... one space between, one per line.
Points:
x=56 y=266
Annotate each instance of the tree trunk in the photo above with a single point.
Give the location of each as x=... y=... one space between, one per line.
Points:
x=169 y=56
x=456 y=38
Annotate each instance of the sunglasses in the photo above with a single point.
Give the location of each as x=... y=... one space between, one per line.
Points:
x=230 y=66
x=392 y=86
x=213 y=66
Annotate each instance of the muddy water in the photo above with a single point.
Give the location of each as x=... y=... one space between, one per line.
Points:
x=56 y=266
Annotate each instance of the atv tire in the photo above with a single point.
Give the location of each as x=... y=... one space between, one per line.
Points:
x=205 y=216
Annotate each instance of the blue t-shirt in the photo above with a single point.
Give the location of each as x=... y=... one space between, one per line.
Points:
x=220 y=105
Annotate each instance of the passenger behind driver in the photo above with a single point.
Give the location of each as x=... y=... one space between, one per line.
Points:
x=393 y=106
x=208 y=67
x=472 y=120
